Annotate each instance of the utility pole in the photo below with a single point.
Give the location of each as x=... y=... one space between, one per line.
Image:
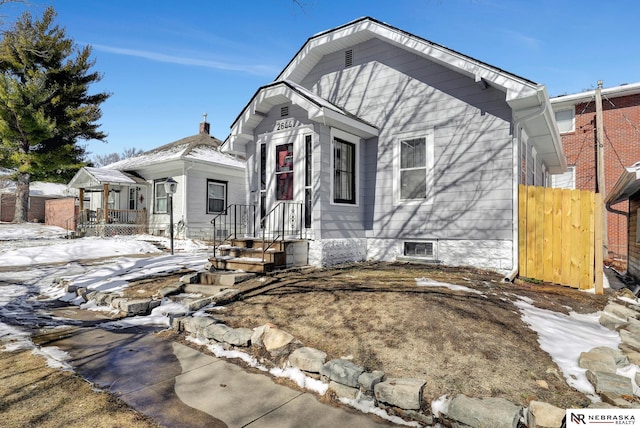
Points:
x=601 y=186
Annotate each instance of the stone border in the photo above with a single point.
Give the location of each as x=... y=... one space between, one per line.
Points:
x=402 y=397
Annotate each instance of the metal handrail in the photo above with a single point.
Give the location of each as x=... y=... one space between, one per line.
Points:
x=283 y=211
x=228 y=220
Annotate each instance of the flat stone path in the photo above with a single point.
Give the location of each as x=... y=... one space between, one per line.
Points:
x=180 y=386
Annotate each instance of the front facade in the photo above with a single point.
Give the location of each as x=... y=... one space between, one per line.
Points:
x=576 y=116
x=130 y=196
x=397 y=148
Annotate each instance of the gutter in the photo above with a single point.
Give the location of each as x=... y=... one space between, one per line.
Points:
x=517 y=136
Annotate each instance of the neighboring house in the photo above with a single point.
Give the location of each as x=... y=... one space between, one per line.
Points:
x=626 y=193
x=576 y=118
x=397 y=148
x=129 y=196
x=39 y=193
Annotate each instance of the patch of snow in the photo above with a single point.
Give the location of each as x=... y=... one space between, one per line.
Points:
x=367 y=405
x=440 y=406
x=426 y=282
x=565 y=337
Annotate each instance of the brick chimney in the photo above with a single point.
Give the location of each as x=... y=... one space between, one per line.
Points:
x=204 y=126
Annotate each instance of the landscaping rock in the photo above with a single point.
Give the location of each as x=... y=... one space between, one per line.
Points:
x=544 y=415
x=278 y=342
x=308 y=359
x=199 y=304
x=226 y=296
x=368 y=380
x=135 y=306
x=619 y=311
x=610 y=382
x=197 y=325
x=611 y=322
x=342 y=371
x=169 y=290
x=619 y=356
x=258 y=332
x=630 y=339
x=238 y=336
x=484 y=412
x=400 y=392
x=343 y=391
x=215 y=332
x=617 y=400
x=599 y=362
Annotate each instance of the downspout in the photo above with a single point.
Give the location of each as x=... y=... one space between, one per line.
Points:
x=516 y=171
x=615 y=211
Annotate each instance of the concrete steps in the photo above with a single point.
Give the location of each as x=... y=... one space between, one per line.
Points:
x=247 y=255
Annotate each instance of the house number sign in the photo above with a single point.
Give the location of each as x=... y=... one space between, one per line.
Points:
x=283 y=124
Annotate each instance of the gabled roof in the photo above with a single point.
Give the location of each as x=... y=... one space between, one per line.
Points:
x=318 y=109
x=200 y=147
x=90 y=177
x=529 y=101
x=627 y=185
x=366 y=28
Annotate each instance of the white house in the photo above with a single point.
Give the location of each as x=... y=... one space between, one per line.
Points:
x=396 y=148
x=129 y=196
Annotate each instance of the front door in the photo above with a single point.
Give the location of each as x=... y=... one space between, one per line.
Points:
x=285 y=182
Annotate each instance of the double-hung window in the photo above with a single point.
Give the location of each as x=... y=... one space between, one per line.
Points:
x=216 y=196
x=415 y=165
x=344 y=172
x=160 y=198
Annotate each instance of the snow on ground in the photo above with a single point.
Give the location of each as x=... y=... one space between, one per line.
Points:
x=564 y=337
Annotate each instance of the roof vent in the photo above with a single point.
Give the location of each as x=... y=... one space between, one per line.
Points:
x=348 y=58
x=284 y=111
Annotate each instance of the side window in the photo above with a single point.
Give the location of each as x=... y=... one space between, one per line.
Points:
x=216 y=196
x=415 y=166
x=160 y=198
x=344 y=172
x=565 y=120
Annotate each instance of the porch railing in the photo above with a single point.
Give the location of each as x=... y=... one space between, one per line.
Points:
x=118 y=222
x=284 y=221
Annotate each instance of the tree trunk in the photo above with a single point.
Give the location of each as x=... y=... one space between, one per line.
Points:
x=22 y=198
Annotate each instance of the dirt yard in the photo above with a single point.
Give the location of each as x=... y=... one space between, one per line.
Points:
x=458 y=341
x=34 y=395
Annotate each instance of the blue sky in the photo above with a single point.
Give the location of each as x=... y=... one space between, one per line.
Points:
x=168 y=62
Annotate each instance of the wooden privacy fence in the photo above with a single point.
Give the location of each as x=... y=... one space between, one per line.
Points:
x=560 y=236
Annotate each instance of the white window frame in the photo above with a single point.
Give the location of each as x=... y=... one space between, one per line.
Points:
x=570 y=170
x=225 y=187
x=352 y=139
x=572 y=111
x=160 y=184
x=429 y=136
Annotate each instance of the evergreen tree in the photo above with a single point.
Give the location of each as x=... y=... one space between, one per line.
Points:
x=45 y=107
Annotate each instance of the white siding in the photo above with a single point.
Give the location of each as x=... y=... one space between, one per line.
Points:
x=400 y=92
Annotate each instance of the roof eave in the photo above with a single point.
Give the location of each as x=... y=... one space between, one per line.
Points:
x=627 y=185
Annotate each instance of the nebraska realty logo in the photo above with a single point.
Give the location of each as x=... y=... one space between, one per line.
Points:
x=602 y=417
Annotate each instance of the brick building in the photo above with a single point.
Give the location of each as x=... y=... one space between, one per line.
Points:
x=576 y=119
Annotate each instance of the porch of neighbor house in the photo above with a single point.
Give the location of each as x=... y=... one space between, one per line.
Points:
x=101 y=195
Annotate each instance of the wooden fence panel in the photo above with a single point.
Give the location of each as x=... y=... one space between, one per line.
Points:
x=558 y=235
